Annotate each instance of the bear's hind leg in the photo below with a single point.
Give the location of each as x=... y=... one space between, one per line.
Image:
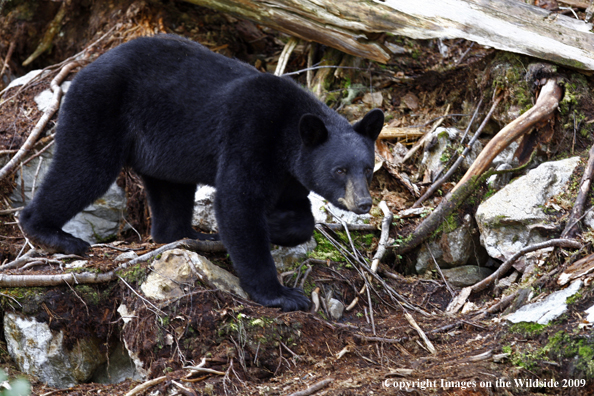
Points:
x=68 y=188
x=172 y=205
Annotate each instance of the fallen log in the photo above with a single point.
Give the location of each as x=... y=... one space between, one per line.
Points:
x=356 y=26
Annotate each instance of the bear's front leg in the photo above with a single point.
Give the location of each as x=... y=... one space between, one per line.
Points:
x=243 y=230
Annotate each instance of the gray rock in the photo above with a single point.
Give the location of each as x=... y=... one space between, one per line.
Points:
x=325 y=212
x=441 y=139
x=25 y=79
x=550 y=308
x=41 y=353
x=335 y=308
x=512 y=218
x=204 y=213
x=119 y=368
x=176 y=271
x=126 y=256
x=497 y=182
x=140 y=369
x=506 y=156
x=44 y=98
x=466 y=275
x=285 y=257
x=97 y=222
x=453 y=249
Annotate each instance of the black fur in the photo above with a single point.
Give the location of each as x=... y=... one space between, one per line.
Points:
x=180 y=115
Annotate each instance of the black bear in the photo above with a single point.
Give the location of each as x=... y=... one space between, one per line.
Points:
x=180 y=115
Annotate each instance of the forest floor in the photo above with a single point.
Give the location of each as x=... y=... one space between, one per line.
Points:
x=264 y=351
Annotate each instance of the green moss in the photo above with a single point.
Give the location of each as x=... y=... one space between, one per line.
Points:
x=134 y=274
x=563 y=348
x=574 y=299
x=324 y=249
x=528 y=329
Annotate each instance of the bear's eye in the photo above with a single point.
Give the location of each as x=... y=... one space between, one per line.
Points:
x=368 y=172
x=341 y=171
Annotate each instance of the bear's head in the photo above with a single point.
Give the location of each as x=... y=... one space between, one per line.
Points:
x=337 y=159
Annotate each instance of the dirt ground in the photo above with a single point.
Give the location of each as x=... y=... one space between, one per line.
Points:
x=262 y=351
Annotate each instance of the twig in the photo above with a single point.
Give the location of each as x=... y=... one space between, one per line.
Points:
x=7 y=58
x=422 y=334
x=314 y=388
x=284 y=56
x=192 y=244
x=12 y=298
x=144 y=386
x=49 y=112
x=315 y=299
x=546 y=104
x=386 y=222
x=37 y=154
x=422 y=140
x=370 y=309
x=35 y=177
x=9 y=211
x=562 y=242
x=350 y=227
x=464 y=54
x=200 y=369
x=21 y=260
x=580 y=201
x=310 y=60
x=183 y=389
x=440 y=273
x=159 y=311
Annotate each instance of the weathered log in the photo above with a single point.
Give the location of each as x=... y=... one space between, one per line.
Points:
x=355 y=26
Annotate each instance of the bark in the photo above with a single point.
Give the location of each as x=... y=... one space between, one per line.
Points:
x=356 y=26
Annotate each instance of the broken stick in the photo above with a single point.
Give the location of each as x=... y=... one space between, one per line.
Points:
x=547 y=102
x=49 y=112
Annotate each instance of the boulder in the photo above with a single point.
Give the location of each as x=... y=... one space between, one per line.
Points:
x=286 y=257
x=453 y=249
x=204 y=213
x=175 y=272
x=41 y=353
x=99 y=221
x=467 y=275
x=514 y=217
x=325 y=212
x=550 y=308
x=440 y=148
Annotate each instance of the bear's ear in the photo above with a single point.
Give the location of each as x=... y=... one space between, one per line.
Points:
x=312 y=129
x=371 y=125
